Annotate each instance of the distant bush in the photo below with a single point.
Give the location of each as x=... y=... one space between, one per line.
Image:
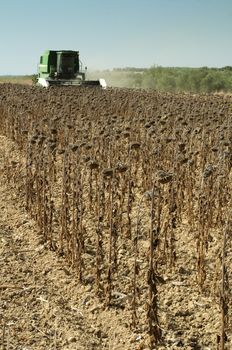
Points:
x=188 y=79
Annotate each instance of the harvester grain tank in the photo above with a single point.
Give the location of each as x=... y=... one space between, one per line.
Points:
x=64 y=67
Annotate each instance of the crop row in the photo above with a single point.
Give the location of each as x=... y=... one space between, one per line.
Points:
x=111 y=176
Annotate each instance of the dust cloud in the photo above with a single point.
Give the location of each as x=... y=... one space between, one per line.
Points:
x=117 y=78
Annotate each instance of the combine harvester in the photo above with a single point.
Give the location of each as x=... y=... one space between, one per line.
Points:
x=64 y=67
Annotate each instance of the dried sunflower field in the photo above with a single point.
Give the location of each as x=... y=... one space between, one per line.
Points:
x=127 y=238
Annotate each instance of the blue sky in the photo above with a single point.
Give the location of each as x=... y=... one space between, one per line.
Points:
x=116 y=33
